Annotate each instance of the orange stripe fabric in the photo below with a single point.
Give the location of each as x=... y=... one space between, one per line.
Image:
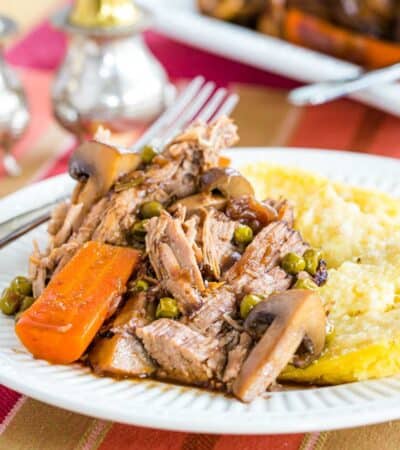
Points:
x=278 y=442
x=383 y=436
x=94 y=435
x=330 y=126
x=135 y=438
x=37 y=426
x=386 y=141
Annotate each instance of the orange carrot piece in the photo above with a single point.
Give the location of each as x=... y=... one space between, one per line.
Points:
x=63 y=321
x=310 y=31
x=224 y=161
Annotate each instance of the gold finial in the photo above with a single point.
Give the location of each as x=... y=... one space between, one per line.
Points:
x=104 y=13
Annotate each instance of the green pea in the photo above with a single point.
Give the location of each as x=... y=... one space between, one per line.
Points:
x=138 y=231
x=305 y=283
x=243 y=235
x=10 y=301
x=312 y=258
x=27 y=302
x=148 y=153
x=248 y=303
x=151 y=209
x=167 y=308
x=21 y=285
x=141 y=285
x=293 y=263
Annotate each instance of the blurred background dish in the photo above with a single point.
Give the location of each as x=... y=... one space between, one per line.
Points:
x=183 y=20
x=366 y=32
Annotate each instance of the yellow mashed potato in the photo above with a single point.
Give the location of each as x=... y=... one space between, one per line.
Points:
x=359 y=233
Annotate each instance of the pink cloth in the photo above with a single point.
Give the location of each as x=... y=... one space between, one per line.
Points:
x=43 y=48
x=7 y=401
x=180 y=60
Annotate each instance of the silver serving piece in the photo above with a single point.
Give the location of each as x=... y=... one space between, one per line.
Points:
x=108 y=76
x=319 y=93
x=14 y=114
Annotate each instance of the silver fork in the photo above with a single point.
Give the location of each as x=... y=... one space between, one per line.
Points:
x=199 y=100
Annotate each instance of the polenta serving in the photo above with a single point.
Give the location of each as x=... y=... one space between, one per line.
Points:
x=358 y=231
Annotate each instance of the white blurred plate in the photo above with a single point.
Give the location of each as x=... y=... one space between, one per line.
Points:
x=181 y=20
x=160 y=405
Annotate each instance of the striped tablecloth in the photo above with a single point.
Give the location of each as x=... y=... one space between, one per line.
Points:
x=264 y=118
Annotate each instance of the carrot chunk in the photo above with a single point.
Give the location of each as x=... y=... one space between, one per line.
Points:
x=311 y=31
x=62 y=322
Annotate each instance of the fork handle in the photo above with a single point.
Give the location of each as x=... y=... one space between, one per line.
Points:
x=17 y=226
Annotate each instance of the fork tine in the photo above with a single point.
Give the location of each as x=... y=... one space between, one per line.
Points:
x=190 y=113
x=227 y=106
x=212 y=105
x=180 y=103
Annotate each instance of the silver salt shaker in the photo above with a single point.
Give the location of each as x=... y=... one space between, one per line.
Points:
x=108 y=76
x=14 y=113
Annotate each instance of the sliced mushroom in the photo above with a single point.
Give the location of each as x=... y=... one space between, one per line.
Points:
x=97 y=166
x=289 y=321
x=229 y=182
x=199 y=201
x=250 y=211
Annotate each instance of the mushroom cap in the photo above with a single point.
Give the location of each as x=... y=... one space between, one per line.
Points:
x=290 y=307
x=226 y=180
x=100 y=165
x=286 y=320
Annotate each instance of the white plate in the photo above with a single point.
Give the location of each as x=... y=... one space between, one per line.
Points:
x=160 y=405
x=181 y=20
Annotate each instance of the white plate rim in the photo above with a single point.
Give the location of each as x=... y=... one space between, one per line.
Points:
x=380 y=410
